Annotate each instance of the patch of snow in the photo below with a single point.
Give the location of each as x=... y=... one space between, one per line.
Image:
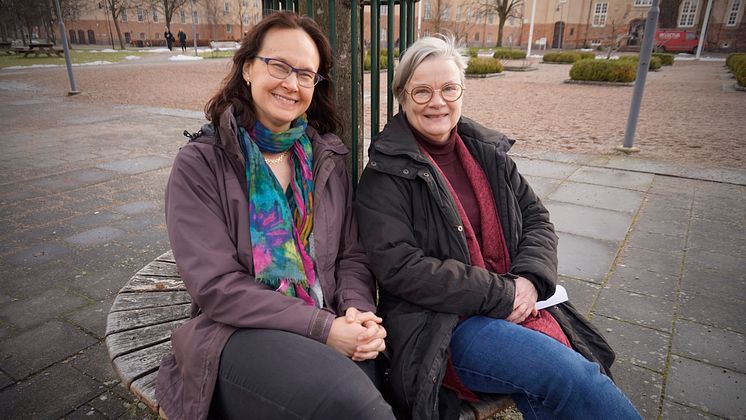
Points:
x=181 y=57
x=108 y=50
x=132 y=57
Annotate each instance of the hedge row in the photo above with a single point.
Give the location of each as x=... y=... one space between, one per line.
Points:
x=509 y=54
x=655 y=62
x=666 y=59
x=484 y=66
x=736 y=62
x=382 y=62
x=568 y=57
x=604 y=70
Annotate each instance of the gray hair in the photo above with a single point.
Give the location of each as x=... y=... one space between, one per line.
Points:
x=442 y=46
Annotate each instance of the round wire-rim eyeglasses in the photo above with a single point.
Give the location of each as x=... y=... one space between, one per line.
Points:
x=450 y=92
x=281 y=70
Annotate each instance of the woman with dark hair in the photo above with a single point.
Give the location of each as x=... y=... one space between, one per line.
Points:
x=258 y=210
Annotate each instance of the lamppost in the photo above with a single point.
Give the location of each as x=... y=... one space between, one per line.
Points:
x=194 y=29
x=108 y=24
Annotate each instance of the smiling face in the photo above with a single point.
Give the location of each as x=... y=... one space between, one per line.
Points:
x=278 y=102
x=435 y=119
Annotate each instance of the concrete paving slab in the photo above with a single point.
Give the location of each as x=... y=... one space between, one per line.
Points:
x=718 y=191
x=73 y=179
x=642 y=387
x=40 y=254
x=652 y=241
x=648 y=283
x=5 y=381
x=542 y=186
x=651 y=261
x=588 y=221
x=96 y=236
x=613 y=178
x=713 y=282
x=665 y=201
x=92 y=317
x=545 y=168
x=733 y=176
x=50 y=342
x=136 y=165
x=137 y=207
x=710 y=345
x=564 y=157
x=714 y=261
x=639 y=309
x=710 y=388
x=585 y=258
x=582 y=294
x=40 y=308
x=673 y=410
x=641 y=346
x=31 y=399
x=108 y=405
x=662 y=225
x=609 y=198
x=713 y=209
x=95 y=363
x=718 y=237
x=22 y=282
x=673 y=186
x=94 y=219
x=700 y=308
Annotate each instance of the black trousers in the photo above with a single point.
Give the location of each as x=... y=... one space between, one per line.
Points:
x=271 y=374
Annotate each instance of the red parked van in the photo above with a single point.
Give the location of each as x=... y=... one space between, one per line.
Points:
x=676 y=40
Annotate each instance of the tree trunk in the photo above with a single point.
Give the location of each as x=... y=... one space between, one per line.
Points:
x=500 y=29
x=119 y=33
x=342 y=71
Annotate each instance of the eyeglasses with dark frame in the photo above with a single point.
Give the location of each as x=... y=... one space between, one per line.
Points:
x=281 y=70
x=450 y=92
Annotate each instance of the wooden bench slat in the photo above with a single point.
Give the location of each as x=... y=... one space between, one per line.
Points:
x=135 y=365
x=167 y=257
x=140 y=283
x=144 y=389
x=488 y=407
x=159 y=268
x=130 y=301
x=129 y=341
x=138 y=318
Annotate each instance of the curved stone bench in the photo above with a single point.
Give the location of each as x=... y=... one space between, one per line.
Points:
x=151 y=305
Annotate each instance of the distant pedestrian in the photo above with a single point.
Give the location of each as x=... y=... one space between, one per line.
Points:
x=169 y=39
x=182 y=40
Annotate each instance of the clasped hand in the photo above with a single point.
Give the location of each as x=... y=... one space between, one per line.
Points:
x=357 y=335
x=524 y=303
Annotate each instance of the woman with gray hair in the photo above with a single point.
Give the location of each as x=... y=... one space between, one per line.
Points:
x=462 y=249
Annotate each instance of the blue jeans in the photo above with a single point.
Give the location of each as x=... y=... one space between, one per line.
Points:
x=546 y=379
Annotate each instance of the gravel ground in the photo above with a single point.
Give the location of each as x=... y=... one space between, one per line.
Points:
x=690 y=114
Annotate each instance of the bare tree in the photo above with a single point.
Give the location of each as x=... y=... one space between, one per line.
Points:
x=213 y=15
x=116 y=8
x=167 y=8
x=615 y=36
x=504 y=9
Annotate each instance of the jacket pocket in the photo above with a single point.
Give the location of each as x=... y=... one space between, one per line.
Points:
x=407 y=344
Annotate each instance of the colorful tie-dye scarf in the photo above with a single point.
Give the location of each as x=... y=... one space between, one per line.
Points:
x=281 y=224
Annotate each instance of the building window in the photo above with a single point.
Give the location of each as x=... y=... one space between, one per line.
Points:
x=595 y=42
x=142 y=36
x=195 y=17
x=155 y=15
x=182 y=16
x=140 y=15
x=245 y=19
x=428 y=11
x=491 y=19
x=445 y=14
x=458 y=13
x=385 y=10
x=643 y=2
x=226 y=7
x=244 y=3
x=732 y=17
x=228 y=28
x=123 y=17
x=688 y=13
x=599 y=14
x=468 y=14
x=157 y=36
x=476 y=36
x=127 y=38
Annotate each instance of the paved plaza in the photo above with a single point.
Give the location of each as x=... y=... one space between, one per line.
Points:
x=653 y=251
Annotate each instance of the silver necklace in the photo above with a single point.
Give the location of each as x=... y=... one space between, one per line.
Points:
x=278 y=159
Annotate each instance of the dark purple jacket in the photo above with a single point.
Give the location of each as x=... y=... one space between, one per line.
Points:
x=208 y=226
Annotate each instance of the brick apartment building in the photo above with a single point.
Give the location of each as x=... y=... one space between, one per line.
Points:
x=557 y=24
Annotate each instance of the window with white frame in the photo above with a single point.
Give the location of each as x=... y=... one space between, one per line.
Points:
x=595 y=42
x=688 y=13
x=182 y=16
x=228 y=28
x=643 y=2
x=226 y=7
x=155 y=15
x=458 y=13
x=468 y=14
x=195 y=17
x=599 y=14
x=245 y=19
x=140 y=15
x=732 y=17
x=123 y=17
x=142 y=36
x=428 y=11
x=491 y=18
x=385 y=10
x=445 y=13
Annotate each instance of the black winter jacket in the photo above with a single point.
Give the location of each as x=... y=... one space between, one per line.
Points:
x=417 y=249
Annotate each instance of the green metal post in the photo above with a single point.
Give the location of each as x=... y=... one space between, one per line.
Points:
x=375 y=70
x=354 y=24
x=410 y=22
x=402 y=26
x=390 y=61
x=309 y=8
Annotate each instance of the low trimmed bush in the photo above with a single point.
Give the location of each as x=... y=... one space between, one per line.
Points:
x=666 y=59
x=604 y=70
x=384 y=51
x=737 y=64
x=655 y=62
x=484 y=66
x=473 y=51
x=367 y=62
x=563 y=57
x=733 y=57
x=586 y=54
x=509 y=54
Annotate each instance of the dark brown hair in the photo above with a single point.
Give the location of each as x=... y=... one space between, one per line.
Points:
x=234 y=91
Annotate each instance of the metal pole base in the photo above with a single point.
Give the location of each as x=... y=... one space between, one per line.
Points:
x=627 y=150
x=73 y=92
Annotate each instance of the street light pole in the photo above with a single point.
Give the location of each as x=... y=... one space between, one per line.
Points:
x=642 y=73
x=66 y=48
x=194 y=28
x=703 y=32
x=531 y=29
